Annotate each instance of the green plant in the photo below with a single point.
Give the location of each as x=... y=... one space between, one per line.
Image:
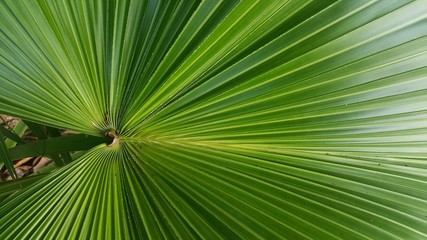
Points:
x=232 y=119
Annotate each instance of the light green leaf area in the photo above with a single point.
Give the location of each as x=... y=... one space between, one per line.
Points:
x=235 y=119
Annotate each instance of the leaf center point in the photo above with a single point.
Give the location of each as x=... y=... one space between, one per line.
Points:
x=115 y=137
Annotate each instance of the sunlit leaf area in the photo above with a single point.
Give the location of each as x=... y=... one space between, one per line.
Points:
x=216 y=119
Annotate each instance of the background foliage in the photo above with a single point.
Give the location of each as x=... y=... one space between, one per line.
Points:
x=237 y=119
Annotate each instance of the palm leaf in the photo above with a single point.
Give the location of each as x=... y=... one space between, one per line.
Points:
x=233 y=119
